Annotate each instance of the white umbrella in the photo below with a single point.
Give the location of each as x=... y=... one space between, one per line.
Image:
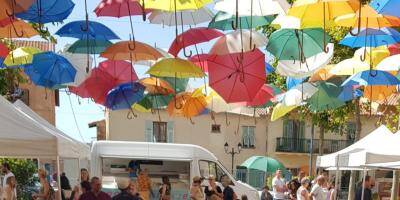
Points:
x=300 y=70
x=79 y=62
x=297 y=95
x=232 y=42
x=150 y=63
x=260 y=7
x=391 y=63
x=349 y=67
x=284 y=21
x=189 y=17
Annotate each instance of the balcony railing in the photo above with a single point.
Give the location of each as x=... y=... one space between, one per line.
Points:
x=303 y=145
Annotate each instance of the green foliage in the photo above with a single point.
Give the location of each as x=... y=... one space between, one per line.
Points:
x=9 y=78
x=44 y=34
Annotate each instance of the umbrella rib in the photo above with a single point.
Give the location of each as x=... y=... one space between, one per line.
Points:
x=233 y=86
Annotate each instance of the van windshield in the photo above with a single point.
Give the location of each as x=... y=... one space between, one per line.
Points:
x=217 y=170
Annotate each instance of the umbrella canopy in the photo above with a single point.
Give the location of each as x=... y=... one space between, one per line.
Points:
x=200 y=60
x=349 y=93
x=12 y=7
x=238 y=41
x=263 y=163
x=322 y=74
x=280 y=110
x=179 y=84
x=325 y=98
x=394 y=49
x=297 y=95
x=194 y=106
x=95 y=46
x=17 y=29
x=95 y=31
x=155 y=101
x=120 y=71
x=349 y=67
x=175 y=108
x=379 y=92
x=124 y=51
x=47 y=11
x=373 y=55
x=237 y=77
x=171 y=5
x=223 y=21
x=185 y=17
x=4 y=51
x=259 y=7
x=371 y=77
x=263 y=96
x=156 y=86
x=371 y=38
x=21 y=56
x=52 y=69
x=175 y=67
x=391 y=63
x=124 y=96
x=293 y=44
x=192 y=37
x=119 y=8
x=386 y=7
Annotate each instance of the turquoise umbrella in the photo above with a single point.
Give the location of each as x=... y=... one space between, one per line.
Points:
x=263 y=163
x=95 y=46
x=327 y=97
x=223 y=21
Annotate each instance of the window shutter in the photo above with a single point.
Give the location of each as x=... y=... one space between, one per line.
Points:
x=170 y=132
x=251 y=136
x=290 y=128
x=149 y=136
x=302 y=129
x=285 y=128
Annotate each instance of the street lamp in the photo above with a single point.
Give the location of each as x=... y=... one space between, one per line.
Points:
x=232 y=152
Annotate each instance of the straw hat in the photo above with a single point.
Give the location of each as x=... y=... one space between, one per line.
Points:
x=197 y=178
x=122 y=183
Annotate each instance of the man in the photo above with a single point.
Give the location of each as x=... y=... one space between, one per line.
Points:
x=123 y=185
x=317 y=191
x=229 y=193
x=368 y=185
x=265 y=195
x=95 y=193
x=278 y=186
x=7 y=174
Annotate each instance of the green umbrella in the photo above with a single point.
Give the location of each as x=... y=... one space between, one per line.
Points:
x=293 y=44
x=179 y=84
x=155 y=101
x=95 y=46
x=325 y=98
x=223 y=21
x=265 y=164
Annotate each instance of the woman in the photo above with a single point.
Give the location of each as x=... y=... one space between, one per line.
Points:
x=302 y=192
x=46 y=192
x=144 y=185
x=331 y=191
x=9 y=190
x=213 y=191
x=77 y=192
x=196 y=193
x=229 y=193
x=165 y=190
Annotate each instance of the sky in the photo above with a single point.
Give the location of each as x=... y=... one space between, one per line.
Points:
x=74 y=114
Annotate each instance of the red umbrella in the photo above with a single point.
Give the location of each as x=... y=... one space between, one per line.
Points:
x=237 y=77
x=3 y=50
x=394 y=49
x=191 y=37
x=119 y=8
x=263 y=95
x=200 y=60
x=108 y=75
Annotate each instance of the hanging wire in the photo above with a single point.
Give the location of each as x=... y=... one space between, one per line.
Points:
x=75 y=120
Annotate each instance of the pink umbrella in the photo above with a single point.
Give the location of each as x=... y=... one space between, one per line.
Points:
x=200 y=60
x=191 y=37
x=119 y=8
x=394 y=49
x=263 y=95
x=237 y=77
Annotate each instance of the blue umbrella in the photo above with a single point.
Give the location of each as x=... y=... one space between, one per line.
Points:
x=47 y=11
x=292 y=82
x=268 y=68
x=124 y=96
x=372 y=38
x=93 y=31
x=49 y=69
x=386 y=7
x=371 y=77
x=348 y=93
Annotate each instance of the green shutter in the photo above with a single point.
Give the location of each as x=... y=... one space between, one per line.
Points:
x=285 y=128
x=245 y=137
x=251 y=136
x=149 y=136
x=170 y=132
x=302 y=129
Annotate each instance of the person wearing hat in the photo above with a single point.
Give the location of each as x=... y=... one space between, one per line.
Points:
x=196 y=192
x=213 y=191
x=123 y=185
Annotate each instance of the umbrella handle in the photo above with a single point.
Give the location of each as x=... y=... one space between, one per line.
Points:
x=12 y=14
x=130 y=114
x=191 y=121
x=326 y=49
x=373 y=74
x=86 y=27
x=42 y=29
x=253 y=47
x=15 y=30
x=132 y=43
x=176 y=105
x=359 y=22
x=143 y=11
x=235 y=23
x=364 y=55
x=186 y=54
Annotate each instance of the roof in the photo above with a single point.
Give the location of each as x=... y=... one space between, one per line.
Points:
x=42 y=45
x=392 y=100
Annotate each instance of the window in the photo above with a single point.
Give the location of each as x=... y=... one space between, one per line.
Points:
x=293 y=129
x=351 y=131
x=160 y=132
x=215 y=128
x=248 y=137
x=208 y=168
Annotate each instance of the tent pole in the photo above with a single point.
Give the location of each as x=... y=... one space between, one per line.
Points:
x=395 y=185
x=58 y=179
x=310 y=170
x=337 y=177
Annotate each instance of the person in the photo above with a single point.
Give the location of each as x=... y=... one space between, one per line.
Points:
x=85 y=187
x=317 y=191
x=302 y=192
x=123 y=185
x=46 y=191
x=278 y=186
x=95 y=193
x=144 y=184
x=331 y=191
x=133 y=168
x=213 y=191
x=65 y=186
x=133 y=188
x=77 y=191
x=196 y=193
x=165 y=190
x=7 y=174
x=297 y=181
x=369 y=183
x=292 y=187
x=266 y=195
x=244 y=197
x=229 y=193
x=9 y=191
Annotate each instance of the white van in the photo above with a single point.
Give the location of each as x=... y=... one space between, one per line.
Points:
x=179 y=162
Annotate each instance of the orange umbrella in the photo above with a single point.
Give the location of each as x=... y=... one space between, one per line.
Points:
x=17 y=29
x=156 y=86
x=322 y=74
x=175 y=108
x=10 y=8
x=378 y=92
x=187 y=105
x=131 y=50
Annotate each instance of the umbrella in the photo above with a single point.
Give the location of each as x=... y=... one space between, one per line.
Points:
x=120 y=70
x=293 y=44
x=17 y=29
x=47 y=11
x=297 y=95
x=94 y=31
x=349 y=67
x=215 y=103
x=386 y=7
x=192 y=37
x=179 y=84
x=325 y=98
x=371 y=38
x=349 y=93
x=180 y=99
x=391 y=63
x=238 y=41
x=322 y=74
x=133 y=51
x=237 y=77
x=21 y=56
x=10 y=8
x=200 y=60
x=223 y=21
x=263 y=163
x=79 y=63
x=280 y=110
x=186 y=17
x=156 y=86
x=4 y=51
x=292 y=82
x=374 y=55
x=175 y=67
x=263 y=96
x=379 y=92
x=371 y=77
x=95 y=46
x=284 y=21
x=119 y=8
x=52 y=69
x=394 y=49
x=194 y=106
x=124 y=96
x=150 y=101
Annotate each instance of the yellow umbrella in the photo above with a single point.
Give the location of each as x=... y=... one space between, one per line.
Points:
x=349 y=67
x=378 y=92
x=21 y=56
x=372 y=55
x=176 y=68
x=17 y=29
x=174 y=5
x=322 y=74
x=280 y=110
x=140 y=108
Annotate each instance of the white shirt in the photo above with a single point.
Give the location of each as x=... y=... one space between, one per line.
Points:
x=318 y=193
x=277 y=182
x=8 y=175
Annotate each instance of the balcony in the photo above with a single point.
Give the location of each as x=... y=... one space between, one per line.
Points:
x=303 y=145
